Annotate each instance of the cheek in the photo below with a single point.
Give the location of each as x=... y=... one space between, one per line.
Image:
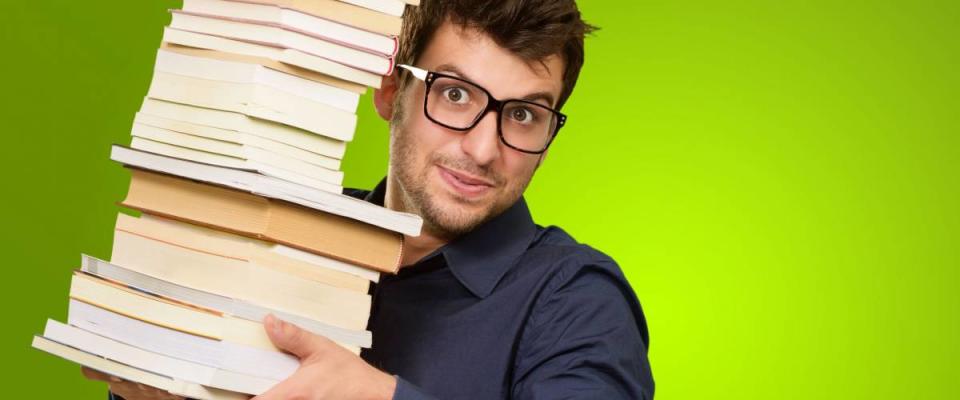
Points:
x=434 y=142
x=417 y=144
x=518 y=170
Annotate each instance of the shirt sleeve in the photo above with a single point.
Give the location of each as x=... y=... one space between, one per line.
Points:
x=586 y=339
x=408 y=391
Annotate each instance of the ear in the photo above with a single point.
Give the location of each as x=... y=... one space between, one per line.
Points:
x=383 y=98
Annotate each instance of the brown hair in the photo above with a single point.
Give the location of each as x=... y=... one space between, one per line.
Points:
x=531 y=29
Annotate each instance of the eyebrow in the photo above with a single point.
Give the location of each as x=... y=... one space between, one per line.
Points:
x=533 y=97
x=545 y=96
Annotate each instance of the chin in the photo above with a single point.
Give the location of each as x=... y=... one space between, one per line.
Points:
x=452 y=217
x=456 y=215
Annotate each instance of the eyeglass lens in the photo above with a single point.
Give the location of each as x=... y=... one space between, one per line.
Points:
x=459 y=104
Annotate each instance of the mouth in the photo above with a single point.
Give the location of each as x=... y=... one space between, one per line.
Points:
x=464 y=184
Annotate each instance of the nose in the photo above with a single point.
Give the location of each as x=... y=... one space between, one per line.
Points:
x=482 y=143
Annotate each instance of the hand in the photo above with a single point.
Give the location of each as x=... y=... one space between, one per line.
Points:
x=327 y=371
x=129 y=390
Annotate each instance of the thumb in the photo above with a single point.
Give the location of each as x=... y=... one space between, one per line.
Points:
x=292 y=338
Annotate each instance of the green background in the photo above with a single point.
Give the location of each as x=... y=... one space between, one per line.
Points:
x=778 y=179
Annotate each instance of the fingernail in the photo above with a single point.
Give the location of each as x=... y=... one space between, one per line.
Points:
x=269 y=321
x=275 y=324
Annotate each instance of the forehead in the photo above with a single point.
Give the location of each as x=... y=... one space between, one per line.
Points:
x=484 y=62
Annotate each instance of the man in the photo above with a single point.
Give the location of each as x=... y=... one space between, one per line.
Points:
x=488 y=305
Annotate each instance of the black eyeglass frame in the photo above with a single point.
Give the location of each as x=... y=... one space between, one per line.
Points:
x=493 y=104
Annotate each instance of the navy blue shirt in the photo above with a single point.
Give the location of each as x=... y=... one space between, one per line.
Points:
x=511 y=310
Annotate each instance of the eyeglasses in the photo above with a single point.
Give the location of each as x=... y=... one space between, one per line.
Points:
x=458 y=104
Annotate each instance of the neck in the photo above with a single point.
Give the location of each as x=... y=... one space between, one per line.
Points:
x=414 y=247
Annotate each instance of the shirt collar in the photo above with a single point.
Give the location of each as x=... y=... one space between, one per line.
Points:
x=480 y=258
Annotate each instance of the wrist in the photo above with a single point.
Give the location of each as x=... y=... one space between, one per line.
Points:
x=384 y=388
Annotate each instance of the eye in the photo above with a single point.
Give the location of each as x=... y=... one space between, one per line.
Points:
x=456 y=95
x=522 y=115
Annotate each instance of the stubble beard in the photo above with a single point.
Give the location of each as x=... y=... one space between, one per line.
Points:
x=443 y=222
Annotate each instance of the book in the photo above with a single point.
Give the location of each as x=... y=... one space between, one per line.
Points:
x=179 y=260
x=247 y=145
x=275 y=36
x=126 y=372
x=167 y=312
x=187 y=153
x=153 y=362
x=202 y=148
x=256 y=252
x=344 y=13
x=297 y=21
x=235 y=159
x=279 y=138
x=256 y=101
x=237 y=71
x=389 y=7
x=263 y=218
x=252 y=182
x=358 y=79
x=341 y=308
x=212 y=353
x=267 y=62
x=234 y=307
x=290 y=253
x=239 y=145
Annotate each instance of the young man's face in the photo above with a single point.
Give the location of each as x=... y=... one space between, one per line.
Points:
x=457 y=180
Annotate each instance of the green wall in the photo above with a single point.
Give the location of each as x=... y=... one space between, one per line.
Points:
x=778 y=179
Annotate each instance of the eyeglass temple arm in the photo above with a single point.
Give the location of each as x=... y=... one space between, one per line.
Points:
x=418 y=73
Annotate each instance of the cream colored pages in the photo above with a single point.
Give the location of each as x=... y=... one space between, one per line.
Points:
x=168 y=313
x=272 y=289
x=258 y=252
x=344 y=13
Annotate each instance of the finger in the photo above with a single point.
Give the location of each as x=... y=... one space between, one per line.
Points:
x=127 y=390
x=294 y=339
x=133 y=390
x=93 y=374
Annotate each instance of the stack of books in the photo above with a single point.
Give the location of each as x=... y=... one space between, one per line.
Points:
x=235 y=165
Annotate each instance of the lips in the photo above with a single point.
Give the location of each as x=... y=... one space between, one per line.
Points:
x=464 y=184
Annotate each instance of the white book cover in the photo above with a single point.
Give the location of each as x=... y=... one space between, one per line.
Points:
x=133 y=374
x=212 y=353
x=302 y=22
x=157 y=363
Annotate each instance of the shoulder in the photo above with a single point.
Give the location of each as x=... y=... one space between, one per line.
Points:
x=567 y=261
x=576 y=277
x=585 y=321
